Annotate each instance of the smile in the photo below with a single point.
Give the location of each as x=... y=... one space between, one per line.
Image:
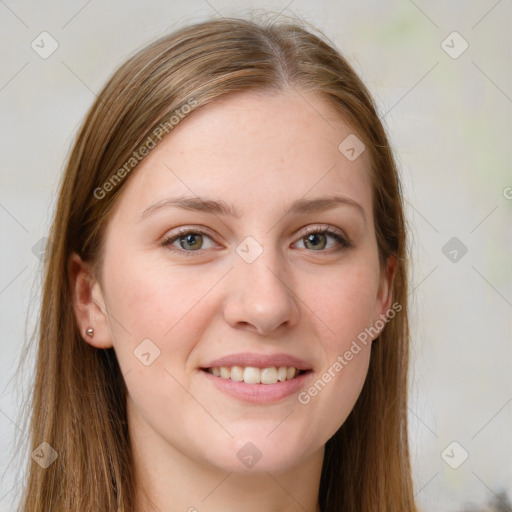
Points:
x=253 y=375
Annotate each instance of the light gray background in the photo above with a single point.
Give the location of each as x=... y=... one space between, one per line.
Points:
x=450 y=122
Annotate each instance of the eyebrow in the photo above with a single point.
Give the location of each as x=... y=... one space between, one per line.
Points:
x=300 y=206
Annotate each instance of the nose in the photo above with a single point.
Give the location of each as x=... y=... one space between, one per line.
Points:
x=260 y=295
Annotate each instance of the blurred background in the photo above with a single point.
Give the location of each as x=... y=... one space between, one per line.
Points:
x=441 y=74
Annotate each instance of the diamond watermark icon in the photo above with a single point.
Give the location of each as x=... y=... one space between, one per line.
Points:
x=249 y=249
x=44 y=45
x=454 y=45
x=249 y=455
x=45 y=455
x=146 y=352
x=351 y=147
x=454 y=249
x=39 y=248
x=454 y=455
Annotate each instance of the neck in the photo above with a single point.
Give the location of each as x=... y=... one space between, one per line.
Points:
x=170 y=481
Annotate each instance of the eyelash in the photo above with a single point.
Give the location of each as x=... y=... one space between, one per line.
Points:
x=344 y=242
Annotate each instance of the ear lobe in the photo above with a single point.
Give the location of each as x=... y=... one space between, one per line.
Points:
x=88 y=303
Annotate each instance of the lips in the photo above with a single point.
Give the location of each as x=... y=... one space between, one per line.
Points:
x=259 y=393
x=257 y=370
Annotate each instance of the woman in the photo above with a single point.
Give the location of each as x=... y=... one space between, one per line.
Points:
x=224 y=314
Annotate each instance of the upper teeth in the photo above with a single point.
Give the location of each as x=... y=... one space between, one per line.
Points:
x=252 y=375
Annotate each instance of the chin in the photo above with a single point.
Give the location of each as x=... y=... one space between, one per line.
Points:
x=260 y=454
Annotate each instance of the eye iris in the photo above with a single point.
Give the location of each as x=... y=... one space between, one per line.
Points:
x=313 y=238
x=192 y=239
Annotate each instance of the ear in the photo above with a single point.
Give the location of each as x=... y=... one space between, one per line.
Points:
x=384 y=294
x=88 y=303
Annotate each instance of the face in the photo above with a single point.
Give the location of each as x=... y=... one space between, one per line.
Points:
x=243 y=245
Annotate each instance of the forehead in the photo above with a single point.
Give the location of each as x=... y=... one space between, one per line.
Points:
x=253 y=150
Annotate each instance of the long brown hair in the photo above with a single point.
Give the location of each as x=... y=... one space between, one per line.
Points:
x=78 y=401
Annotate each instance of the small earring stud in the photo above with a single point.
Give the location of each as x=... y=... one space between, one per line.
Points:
x=90 y=332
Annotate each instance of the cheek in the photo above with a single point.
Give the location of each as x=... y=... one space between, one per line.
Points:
x=152 y=297
x=344 y=302
x=173 y=306
x=158 y=315
x=343 y=306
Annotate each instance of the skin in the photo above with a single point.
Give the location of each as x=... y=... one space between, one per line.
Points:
x=258 y=153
